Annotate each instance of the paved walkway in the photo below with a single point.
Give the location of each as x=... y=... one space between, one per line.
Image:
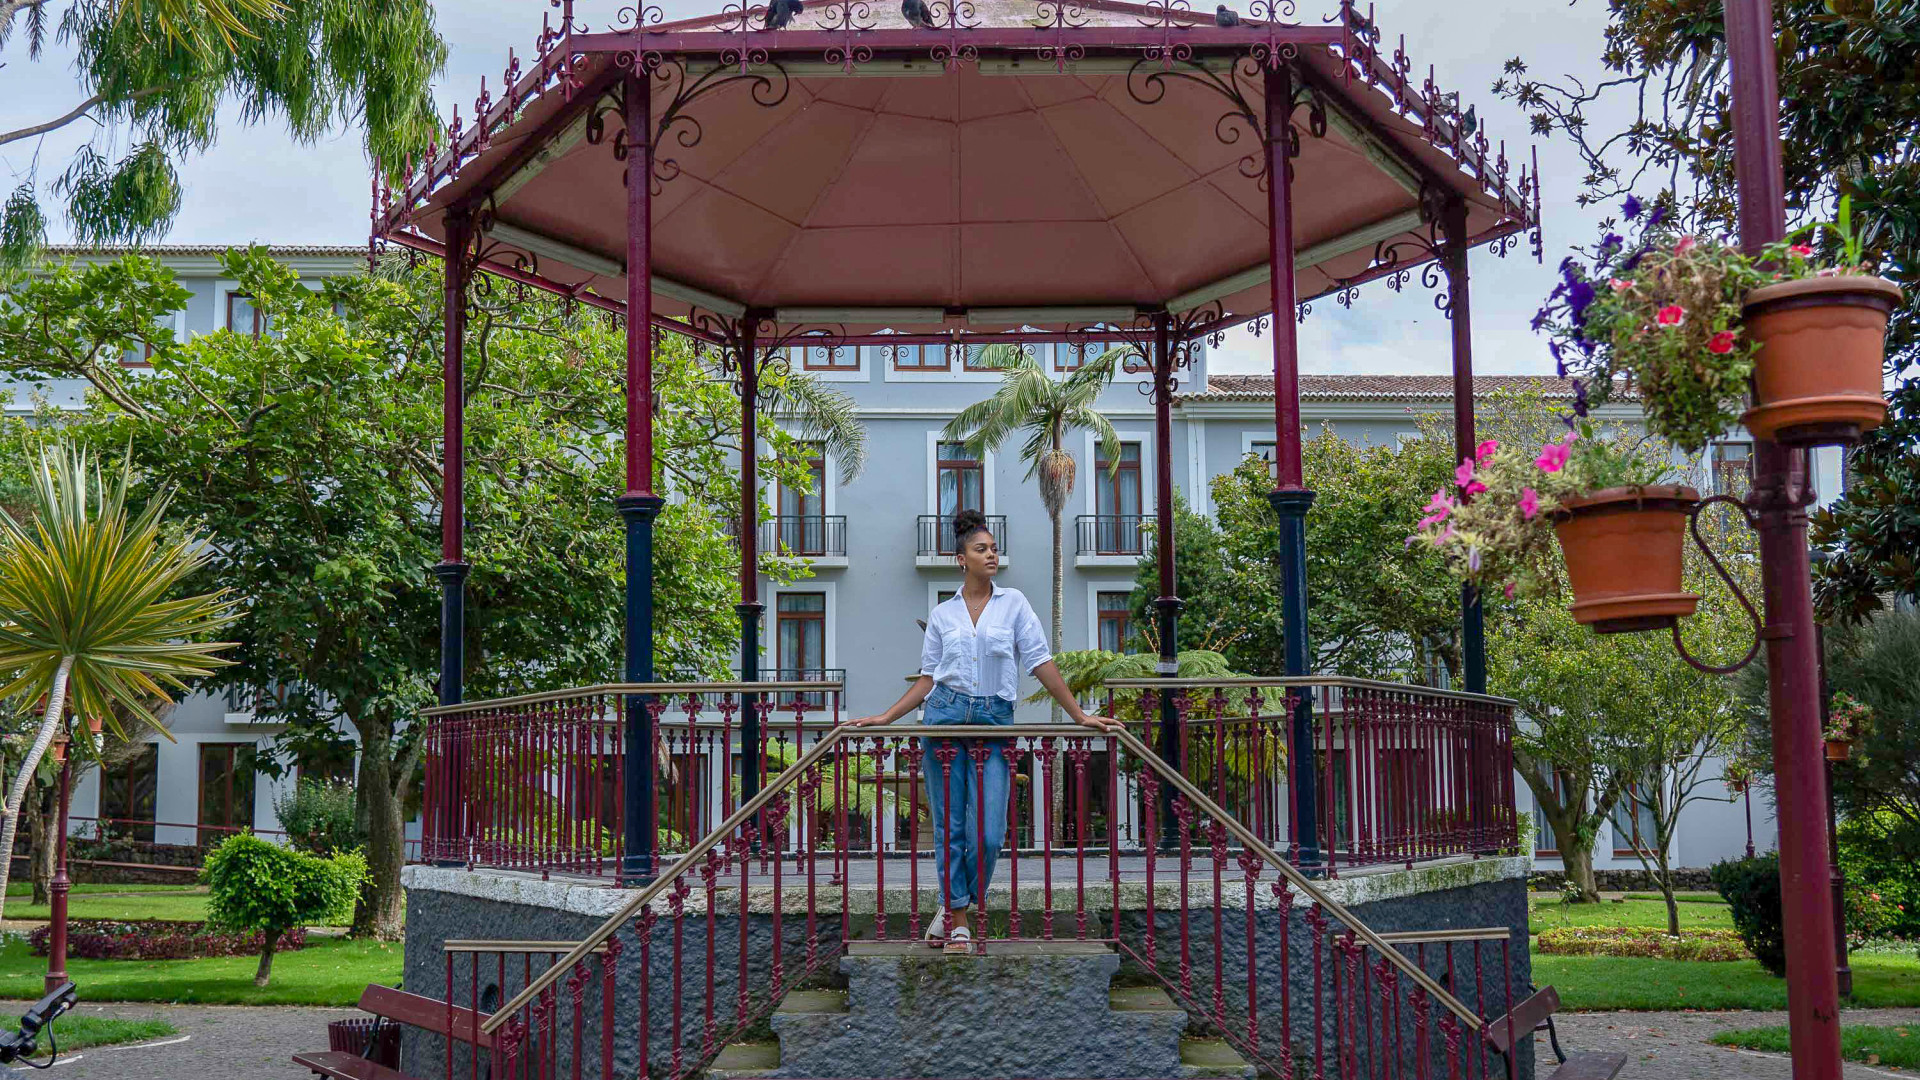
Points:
x=1674 y=1046
x=216 y=1042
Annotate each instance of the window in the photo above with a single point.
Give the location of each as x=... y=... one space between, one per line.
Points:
x=960 y=485
x=226 y=790
x=843 y=358
x=918 y=357
x=1633 y=824
x=330 y=761
x=802 y=633
x=1543 y=838
x=945 y=595
x=243 y=317
x=1116 y=501
x=1732 y=467
x=1264 y=450
x=127 y=795
x=976 y=358
x=802 y=513
x=1115 y=614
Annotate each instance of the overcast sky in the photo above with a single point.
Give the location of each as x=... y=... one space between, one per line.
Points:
x=256 y=185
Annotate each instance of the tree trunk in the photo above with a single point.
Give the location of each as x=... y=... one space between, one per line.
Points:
x=382 y=914
x=42 y=810
x=270 y=939
x=1059 y=595
x=1578 y=861
x=49 y=723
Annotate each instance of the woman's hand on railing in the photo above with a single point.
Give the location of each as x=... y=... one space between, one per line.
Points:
x=1100 y=723
x=868 y=721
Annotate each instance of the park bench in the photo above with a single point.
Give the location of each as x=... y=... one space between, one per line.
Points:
x=1536 y=1014
x=390 y=1005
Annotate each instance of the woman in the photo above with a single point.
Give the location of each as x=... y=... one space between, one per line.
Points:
x=968 y=676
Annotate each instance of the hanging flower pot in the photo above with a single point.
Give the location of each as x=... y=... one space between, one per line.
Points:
x=1623 y=548
x=1822 y=342
x=1839 y=749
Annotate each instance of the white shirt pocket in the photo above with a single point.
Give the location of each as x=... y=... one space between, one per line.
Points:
x=1000 y=642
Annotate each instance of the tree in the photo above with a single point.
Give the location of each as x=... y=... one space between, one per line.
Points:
x=1034 y=403
x=310 y=454
x=1849 y=76
x=89 y=610
x=152 y=75
x=1223 y=582
x=262 y=888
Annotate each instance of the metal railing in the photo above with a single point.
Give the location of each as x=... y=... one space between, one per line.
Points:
x=768 y=898
x=812 y=535
x=936 y=537
x=1113 y=534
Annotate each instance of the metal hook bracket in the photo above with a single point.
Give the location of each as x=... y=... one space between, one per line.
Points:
x=1693 y=526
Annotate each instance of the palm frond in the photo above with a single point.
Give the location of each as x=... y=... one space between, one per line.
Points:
x=82 y=579
x=824 y=415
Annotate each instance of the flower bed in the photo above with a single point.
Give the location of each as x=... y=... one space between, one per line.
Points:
x=1641 y=941
x=108 y=939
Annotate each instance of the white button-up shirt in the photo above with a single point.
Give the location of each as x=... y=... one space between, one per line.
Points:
x=980 y=661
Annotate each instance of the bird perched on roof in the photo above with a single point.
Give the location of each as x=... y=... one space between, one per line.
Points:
x=780 y=13
x=1469 y=123
x=1365 y=27
x=916 y=14
x=1225 y=16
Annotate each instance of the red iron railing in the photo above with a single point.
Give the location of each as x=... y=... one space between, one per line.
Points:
x=1248 y=945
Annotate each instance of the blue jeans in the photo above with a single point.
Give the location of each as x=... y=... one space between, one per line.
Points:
x=966 y=847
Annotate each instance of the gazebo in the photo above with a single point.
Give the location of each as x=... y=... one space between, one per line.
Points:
x=852 y=173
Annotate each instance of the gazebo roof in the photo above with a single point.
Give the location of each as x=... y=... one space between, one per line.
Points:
x=1076 y=166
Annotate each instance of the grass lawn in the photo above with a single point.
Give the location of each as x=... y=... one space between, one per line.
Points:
x=328 y=972
x=171 y=906
x=1896 y=1046
x=1880 y=981
x=79 y=1032
x=1693 y=915
x=25 y=888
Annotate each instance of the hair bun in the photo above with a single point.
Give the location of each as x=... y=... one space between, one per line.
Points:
x=968 y=522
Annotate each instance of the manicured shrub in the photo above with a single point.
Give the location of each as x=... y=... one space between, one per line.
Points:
x=1751 y=888
x=1642 y=941
x=318 y=817
x=267 y=889
x=111 y=939
x=1880 y=854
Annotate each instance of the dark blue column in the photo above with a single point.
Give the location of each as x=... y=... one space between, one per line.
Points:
x=1303 y=768
x=638 y=763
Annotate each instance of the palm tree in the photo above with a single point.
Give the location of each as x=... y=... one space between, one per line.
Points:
x=86 y=613
x=1044 y=408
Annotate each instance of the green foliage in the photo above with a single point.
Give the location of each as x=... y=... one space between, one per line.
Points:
x=1871 y=535
x=153 y=75
x=330 y=971
x=1880 y=857
x=1751 y=887
x=1590 y=983
x=1647 y=941
x=1889 y=1046
x=259 y=886
x=318 y=816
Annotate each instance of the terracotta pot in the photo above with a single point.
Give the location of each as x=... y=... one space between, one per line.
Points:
x=1623 y=547
x=1839 y=749
x=1817 y=377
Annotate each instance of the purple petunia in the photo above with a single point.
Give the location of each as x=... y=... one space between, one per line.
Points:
x=1659 y=215
x=1578 y=297
x=1630 y=209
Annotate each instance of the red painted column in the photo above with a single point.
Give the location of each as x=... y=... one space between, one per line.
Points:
x=61 y=884
x=452 y=825
x=1453 y=229
x=1290 y=498
x=1781 y=494
x=1168 y=602
x=750 y=607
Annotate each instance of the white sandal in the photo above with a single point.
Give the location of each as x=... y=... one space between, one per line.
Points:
x=936 y=935
x=959 y=942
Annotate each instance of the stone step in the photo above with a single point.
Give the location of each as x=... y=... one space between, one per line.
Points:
x=1208 y=1059
x=745 y=1061
x=800 y=1002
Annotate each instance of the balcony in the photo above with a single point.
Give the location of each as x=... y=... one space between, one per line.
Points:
x=819 y=538
x=936 y=545
x=1111 y=539
x=786 y=698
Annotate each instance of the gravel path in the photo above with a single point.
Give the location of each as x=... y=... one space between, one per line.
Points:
x=1674 y=1046
x=216 y=1042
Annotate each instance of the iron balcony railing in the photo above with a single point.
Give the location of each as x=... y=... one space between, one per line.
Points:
x=813 y=535
x=936 y=534
x=1113 y=534
x=784 y=699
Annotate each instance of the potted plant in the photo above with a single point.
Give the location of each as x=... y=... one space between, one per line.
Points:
x=1820 y=332
x=1611 y=503
x=1847 y=717
x=1692 y=324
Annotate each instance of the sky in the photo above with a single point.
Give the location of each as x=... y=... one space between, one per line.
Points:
x=257 y=185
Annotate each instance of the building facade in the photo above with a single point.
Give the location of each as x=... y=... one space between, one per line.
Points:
x=879 y=551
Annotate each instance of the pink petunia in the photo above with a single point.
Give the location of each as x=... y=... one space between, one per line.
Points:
x=1484 y=452
x=1464 y=476
x=1529 y=503
x=1620 y=285
x=1443 y=536
x=1553 y=457
x=1508 y=590
x=1802 y=250
x=1686 y=244
x=1440 y=506
x=1671 y=315
x=1722 y=342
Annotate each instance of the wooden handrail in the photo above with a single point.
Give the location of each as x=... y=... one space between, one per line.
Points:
x=792 y=774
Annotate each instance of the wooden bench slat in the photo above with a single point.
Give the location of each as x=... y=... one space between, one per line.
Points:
x=431 y=1014
x=1503 y=1032
x=344 y=1066
x=1592 y=1065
